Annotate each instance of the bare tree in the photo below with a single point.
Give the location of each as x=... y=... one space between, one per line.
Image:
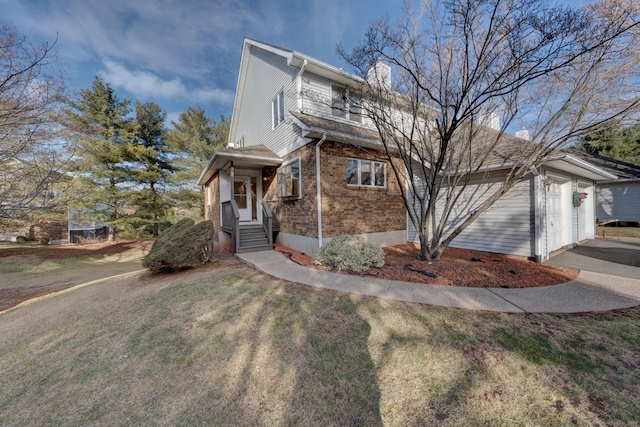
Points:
x=457 y=64
x=30 y=94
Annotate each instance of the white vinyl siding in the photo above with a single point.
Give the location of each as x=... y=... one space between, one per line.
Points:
x=318 y=98
x=507 y=227
x=268 y=75
x=619 y=201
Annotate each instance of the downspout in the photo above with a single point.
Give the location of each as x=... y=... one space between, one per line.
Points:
x=319 y=188
x=299 y=83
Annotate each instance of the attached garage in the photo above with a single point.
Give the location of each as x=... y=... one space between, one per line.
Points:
x=540 y=215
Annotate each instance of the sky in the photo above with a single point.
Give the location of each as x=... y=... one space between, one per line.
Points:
x=181 y=53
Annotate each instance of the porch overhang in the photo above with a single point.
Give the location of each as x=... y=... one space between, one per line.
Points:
x=256 y=156
x=575 y=166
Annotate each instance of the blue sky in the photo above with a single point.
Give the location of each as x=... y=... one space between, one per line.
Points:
x=181 y=53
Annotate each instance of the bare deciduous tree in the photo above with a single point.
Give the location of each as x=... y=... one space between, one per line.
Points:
x=30 y=94
x=457 y=64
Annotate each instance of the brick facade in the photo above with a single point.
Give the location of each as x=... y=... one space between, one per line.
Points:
x=212 y=201
x=357 y=210
x=296 y=216
x=345 y=209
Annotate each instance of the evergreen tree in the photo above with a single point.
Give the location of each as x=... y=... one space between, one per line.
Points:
x=153 y=163
x=105 y=133
x=194 y=138
x=616 y=141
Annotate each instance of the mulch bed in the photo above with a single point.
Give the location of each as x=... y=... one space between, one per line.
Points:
x=457 y=267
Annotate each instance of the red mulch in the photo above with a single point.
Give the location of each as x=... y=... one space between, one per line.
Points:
x=457 y=267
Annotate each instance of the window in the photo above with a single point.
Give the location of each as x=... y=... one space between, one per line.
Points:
x=366 y=173
x=343 y=106
x=277 y=109
x=288 y=180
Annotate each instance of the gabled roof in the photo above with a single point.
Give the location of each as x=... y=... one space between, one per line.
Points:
x=255 y=155
x=504 y=155
x=622 y=170
x=294 y=59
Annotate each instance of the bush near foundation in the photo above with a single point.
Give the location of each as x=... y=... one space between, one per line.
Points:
x=349 y=253
x=182 y=246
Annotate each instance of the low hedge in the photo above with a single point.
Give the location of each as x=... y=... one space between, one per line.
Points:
x=349 y=253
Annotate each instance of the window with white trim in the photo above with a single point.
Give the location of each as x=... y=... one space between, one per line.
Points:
x=288 y=180
x=366 y=173
x=343 y=106
x=277 y=109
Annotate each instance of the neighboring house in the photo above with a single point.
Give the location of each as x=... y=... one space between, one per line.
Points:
x=310 y=172
x=617 y=200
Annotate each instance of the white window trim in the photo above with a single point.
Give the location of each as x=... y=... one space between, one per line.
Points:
x=285 y=164
x=348 y=115
x=373 y=179
x=275 y=110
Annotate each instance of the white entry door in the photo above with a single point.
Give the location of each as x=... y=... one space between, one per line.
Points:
x=555 y=216
x=242 y=195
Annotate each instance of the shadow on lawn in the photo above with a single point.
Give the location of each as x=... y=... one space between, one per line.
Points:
x=288 y=358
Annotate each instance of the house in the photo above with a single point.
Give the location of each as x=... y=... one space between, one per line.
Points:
x=617 y=200
x=305 y=172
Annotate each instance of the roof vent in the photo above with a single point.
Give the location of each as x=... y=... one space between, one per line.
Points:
x=380 y=74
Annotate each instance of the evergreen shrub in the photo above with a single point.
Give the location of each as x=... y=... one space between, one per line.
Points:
x=182 y=246
x=349 y=253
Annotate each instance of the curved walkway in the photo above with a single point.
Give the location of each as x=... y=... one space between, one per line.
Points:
x=590 y=291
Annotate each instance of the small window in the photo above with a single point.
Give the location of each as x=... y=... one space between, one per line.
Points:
x=366 y=173
x=343 y=106
x=277 y=109
x=288 y=180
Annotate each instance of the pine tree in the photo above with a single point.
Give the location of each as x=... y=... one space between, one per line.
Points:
x=617 y=141
x=105 y=133
x=194 y=139
x=153 y=163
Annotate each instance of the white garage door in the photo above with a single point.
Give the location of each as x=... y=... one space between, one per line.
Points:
x=555 y=215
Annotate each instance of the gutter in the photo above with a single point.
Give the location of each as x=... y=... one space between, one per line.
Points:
x=319 y=188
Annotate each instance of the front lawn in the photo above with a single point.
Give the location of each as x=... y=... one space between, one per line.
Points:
x=227 y=346
x=614 y=231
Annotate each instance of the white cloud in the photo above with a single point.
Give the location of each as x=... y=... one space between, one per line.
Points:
x=144 y=84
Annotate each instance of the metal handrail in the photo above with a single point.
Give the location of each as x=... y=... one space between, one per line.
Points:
x=231 y=222
x=267 y=222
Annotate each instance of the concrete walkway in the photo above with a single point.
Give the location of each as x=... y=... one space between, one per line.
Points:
x=590 y=291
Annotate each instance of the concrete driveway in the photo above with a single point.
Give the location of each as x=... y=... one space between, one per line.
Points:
x=615 y=257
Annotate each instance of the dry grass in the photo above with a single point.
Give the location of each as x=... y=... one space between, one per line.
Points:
x=227 y=346
x=28 y=271
x=608 y=232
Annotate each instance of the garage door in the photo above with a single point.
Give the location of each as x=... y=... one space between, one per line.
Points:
x=555 y=215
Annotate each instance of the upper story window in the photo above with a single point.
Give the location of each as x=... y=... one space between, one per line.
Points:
x=343 y=106
x=366 y=173
x=277 y=109
x=288 y=179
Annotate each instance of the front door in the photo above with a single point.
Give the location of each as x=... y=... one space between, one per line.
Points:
x=243 y=197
